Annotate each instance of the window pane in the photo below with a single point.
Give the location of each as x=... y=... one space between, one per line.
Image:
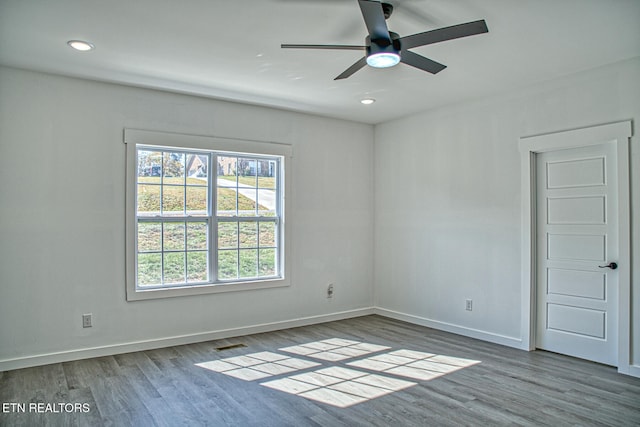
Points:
x=149 y=166
x=173 y=168
x=196 y=200
x=149 y=236
x=248 y=234
x=197 y=233
x=148 y=200
x=172 y=200
x=227 y=169
x=198 y=167
x=247 y=205
x=149 y=269
x=226 y=200
x=227 y=265
x=267 y=262
x=247 y=171
x=174 y=271
x=266 y=202
x=197 y=268
x=248 y=263
x=267 y=234
x=173 y=236
x=227 y=235
x=267 y=170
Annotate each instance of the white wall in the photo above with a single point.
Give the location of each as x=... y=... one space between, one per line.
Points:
x=62 y=182
x=448 y=203
x=447 y=211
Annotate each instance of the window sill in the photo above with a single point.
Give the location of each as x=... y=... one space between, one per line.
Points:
x=158 y=293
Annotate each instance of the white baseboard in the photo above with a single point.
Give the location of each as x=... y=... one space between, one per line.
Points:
x=632 y=370
x=448 y=327
x=108 y=350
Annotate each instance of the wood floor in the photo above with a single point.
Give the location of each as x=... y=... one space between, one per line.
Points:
x=368 y=371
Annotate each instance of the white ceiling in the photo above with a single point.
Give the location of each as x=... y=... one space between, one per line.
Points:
x=231 y=49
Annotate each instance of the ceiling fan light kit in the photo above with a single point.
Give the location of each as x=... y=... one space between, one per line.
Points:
x=384 y=49
x=383 y=59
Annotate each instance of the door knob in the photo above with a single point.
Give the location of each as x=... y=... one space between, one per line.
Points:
x=611 y=265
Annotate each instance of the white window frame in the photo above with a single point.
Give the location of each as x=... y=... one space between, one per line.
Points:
x=133 y=138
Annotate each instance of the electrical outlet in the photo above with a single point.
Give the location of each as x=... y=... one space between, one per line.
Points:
x=330 y=290
x=86 y=320
x=469 y=306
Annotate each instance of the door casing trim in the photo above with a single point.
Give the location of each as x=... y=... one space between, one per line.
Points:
x=617 y=133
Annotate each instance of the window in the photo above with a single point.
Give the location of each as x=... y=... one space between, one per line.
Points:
x=203 y=220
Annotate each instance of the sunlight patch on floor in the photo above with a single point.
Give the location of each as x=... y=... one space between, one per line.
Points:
x=413 y=364
x=257 y=366
x=334 y=349
x=340 y=386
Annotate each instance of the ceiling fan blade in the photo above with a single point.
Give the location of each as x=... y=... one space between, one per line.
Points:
x=444 y=34
x=323 y=46
x=373 y=15
x=355 y=67
x=421 y=62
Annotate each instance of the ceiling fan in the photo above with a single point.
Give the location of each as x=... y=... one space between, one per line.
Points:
x=384 y=48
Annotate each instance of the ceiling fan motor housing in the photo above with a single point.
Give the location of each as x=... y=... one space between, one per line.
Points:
x=389 y=48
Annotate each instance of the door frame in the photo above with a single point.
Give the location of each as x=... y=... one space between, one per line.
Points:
x=618 y=134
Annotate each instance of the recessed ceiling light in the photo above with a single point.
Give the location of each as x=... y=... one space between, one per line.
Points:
x=367 y=101
x=80 y=45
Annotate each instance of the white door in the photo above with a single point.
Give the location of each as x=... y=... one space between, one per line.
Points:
x=577 y=294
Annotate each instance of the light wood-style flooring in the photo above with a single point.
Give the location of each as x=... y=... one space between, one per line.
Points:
x=367 y=371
